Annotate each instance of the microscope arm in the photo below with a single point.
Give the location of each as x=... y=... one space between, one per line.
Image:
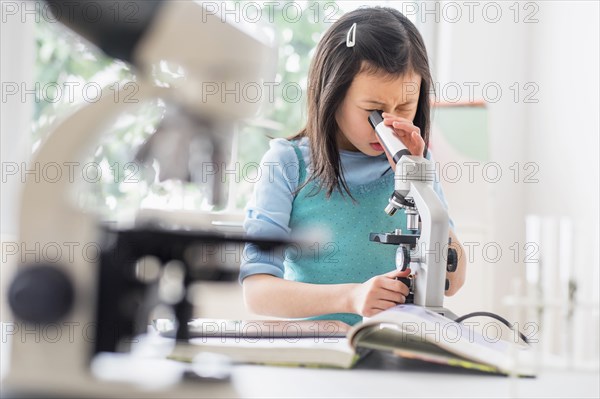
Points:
x=50 y=216
x=431 y=274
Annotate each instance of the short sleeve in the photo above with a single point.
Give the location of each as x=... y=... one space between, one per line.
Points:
x=269 y=209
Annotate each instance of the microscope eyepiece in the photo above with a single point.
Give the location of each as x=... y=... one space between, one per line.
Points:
x=386 y=135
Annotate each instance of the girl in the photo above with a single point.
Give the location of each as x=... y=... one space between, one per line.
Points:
x=334 y=174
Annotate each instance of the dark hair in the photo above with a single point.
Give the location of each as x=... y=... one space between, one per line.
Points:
x=389 y=44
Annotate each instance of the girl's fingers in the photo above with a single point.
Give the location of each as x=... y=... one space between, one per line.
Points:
x=398 y=273
x=403 y=129
x=385 y=115
x=395 y=286
x=409 y=134
x=418 y=145
x=413 y=141
x=389 y=295
x=401 y=124
x=394 y=118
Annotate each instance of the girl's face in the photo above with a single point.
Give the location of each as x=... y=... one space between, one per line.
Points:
x=368 y=92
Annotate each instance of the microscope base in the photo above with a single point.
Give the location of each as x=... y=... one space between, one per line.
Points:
x=125 y=376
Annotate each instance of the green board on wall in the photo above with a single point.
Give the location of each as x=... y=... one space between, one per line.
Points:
x=465 y=128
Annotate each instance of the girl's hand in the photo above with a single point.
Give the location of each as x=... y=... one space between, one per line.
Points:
x=409 y=134
x=379 y=293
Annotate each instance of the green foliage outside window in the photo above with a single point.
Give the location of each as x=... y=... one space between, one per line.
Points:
x=64 y=61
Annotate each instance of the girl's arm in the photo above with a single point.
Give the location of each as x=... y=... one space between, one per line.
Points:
x=269 y=295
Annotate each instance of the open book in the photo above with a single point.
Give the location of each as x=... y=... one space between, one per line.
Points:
x=407 y=331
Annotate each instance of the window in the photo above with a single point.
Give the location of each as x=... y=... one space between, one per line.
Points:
x=70 y=73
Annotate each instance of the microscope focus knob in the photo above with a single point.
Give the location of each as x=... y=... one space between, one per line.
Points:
x=452 y=260
x=402 y=258
x=41 y=294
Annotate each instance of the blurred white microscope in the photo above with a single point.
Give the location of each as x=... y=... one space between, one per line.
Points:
x=106 y=293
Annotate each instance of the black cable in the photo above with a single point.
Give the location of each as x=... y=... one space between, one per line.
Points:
x=493 y=316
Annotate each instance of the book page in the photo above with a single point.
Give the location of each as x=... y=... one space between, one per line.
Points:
x=310 y=352
x=257 y=328
x=431 y=328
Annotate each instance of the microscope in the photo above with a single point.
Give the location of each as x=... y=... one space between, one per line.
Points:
x=425 y=246
x=100 y=303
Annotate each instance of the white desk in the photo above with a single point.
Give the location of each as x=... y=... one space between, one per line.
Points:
x=378 y=375
x=400 y=379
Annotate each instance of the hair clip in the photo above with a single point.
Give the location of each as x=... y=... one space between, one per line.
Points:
x=351 y=36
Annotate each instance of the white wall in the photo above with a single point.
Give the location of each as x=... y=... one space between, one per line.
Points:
x=480 y=53
x=563 y=140
x=558 y=53
x=563 y=126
